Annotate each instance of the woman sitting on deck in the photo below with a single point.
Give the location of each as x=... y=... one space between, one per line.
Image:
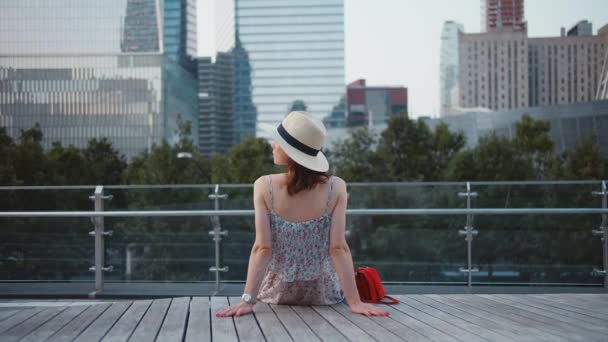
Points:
x=300 y=255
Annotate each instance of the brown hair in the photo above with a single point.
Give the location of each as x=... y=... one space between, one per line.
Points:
x=301 y=178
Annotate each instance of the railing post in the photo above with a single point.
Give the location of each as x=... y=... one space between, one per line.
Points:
x=603 y=233
x=99 y=234
x=468 y=232
x=217 y=234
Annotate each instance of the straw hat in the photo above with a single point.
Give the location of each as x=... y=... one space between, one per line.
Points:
x=301 y=136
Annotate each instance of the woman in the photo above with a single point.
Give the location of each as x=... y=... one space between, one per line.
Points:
x=300 y=255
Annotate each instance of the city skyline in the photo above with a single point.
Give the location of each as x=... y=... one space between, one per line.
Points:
x=386 y=62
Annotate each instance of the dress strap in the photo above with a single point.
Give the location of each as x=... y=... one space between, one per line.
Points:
x=329 y=193
x=270 y=192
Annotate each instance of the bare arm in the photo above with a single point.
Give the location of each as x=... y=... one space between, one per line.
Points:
x=342 y=258
x=260 y=253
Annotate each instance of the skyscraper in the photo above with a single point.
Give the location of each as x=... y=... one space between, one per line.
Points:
x=88 y=69
x=448 y=67
x=498 y=15
x=295 y=51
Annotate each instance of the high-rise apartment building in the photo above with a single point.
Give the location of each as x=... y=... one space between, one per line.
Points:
x=290 y=51
x=448 y=67
x=505 y=69
x=501 y=15
x=88 y=69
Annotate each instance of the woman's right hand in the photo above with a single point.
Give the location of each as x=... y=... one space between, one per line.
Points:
x=367 y=309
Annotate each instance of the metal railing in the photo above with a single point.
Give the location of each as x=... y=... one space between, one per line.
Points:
x=469 y=232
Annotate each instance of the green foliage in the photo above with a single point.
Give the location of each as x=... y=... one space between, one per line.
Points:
x=406 y=150
x=586 y=161
x=355 y=158
x=245 y=162
x=494 y=159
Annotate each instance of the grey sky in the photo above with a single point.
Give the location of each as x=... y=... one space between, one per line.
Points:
x=396 y=42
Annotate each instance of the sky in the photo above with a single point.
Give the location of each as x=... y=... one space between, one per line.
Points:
x=397 y=42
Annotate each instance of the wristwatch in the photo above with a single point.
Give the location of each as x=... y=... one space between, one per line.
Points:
x=246 y=297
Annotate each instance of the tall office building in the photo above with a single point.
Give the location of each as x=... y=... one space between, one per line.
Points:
x=501 y=15
x=216 y=104
x=505 y=69
x=448 y=67
x=88 y=69
x=290 y=50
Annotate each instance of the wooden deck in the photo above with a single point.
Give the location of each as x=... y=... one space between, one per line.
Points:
x=494 y=317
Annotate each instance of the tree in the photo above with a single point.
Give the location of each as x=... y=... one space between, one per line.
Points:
x=586 y=161
x=104 y=164
x=494 y=159
x=248 y=160
x=355 y=158
x=533 y=140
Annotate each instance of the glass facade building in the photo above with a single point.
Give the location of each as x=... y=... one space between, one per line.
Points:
x=89 y=69
x=288 y=52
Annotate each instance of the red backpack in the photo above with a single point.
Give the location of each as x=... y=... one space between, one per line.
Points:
x=370 y=287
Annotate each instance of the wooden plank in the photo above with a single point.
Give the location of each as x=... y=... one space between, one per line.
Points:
x=420 y=326
x=51 y=327
x=439 y=324
x=78 y=324
x=199 y=320
x=449 y=318
x=30 y=324
x=246 y=326
x=122 y=330
x=270 y=324
x=485 y=324
x=104 y=322
x=222 y=328
x=573 y=302
x=545 y=326
x=565 y=306
x=551 y=321
x=148 y=326
x=321 y=327
x=4 y=314
x=371 y=327
x=343 y=325
x=582 y=322
x=18 y=318
x=526 y=331
x=174 y=326
x=537 y=303
x=297 y=328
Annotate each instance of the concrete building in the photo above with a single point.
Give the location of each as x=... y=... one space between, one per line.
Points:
x=371 y=106
x=448 y=67
x=568 y=123
x=506 y=70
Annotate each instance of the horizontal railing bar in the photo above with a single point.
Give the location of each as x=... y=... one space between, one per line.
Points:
x=354 y=212
x=248 y=185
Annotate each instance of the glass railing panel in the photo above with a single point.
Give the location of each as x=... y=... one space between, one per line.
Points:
x=537 y=249
x=536 y=195
x=409 y=248
x=46 y=249
x=405 y=195
x=170 y=249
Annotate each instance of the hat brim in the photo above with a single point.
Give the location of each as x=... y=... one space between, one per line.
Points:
x=317 y=163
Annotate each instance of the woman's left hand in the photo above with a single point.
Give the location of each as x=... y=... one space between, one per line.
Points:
x=237 y=310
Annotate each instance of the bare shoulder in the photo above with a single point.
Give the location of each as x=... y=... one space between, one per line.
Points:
x=339 y=184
